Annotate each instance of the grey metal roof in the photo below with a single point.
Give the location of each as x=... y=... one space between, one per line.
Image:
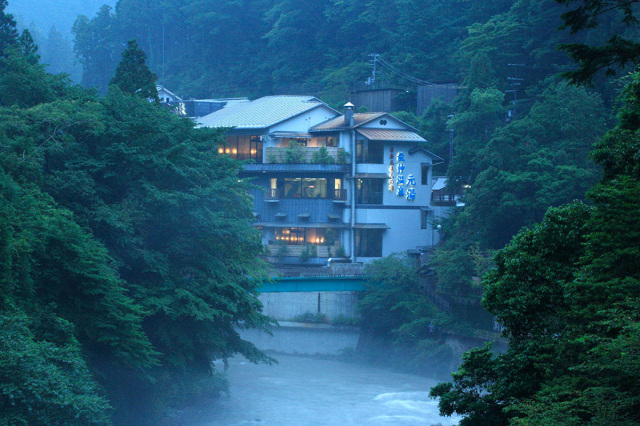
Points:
x=435 y=158
x=439 y=183
x=260 y=113
x=390 y=135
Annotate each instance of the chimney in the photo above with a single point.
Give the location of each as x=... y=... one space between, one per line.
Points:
x=348 y=114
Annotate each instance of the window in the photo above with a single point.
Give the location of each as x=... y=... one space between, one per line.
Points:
x=368 y=242
x=289 y=142
x=425 y=217
x=369 y=191
x=328 y=141
x=304 y=187
x=243 y=147
x=371 y=152
x=425 y=174
x=300 y=236
x=291 y=236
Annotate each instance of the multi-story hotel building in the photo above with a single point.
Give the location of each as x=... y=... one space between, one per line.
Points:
x=353 y=185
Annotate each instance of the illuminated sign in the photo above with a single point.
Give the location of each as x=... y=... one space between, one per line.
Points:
x=400 y=174
x=402 y=185
x=391 y=171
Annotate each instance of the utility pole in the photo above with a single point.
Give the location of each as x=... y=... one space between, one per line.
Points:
x=451 y=132
x=163 y=56
x=371 y=81
x=515 y=82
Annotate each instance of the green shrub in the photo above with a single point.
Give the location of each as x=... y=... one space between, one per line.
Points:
x=282 y=249
x=318 y=318
x=345 y=320
x=294 y=154
x=322 y=156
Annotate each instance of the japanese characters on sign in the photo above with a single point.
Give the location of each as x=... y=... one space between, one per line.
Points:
x=403 y=186
x=400 y=181
x=391 y=171
x=411 y=188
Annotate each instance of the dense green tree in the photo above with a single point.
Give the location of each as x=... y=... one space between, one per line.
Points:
x=133 y=76
x=527 y=294
x=97 y=48
x=396 y=313
x=126 y=251
x=568 y=299
x=620 y=51
x=60 y=300
x=532 y=163
x=8 y=32
x=45 y=382
x=57 y=54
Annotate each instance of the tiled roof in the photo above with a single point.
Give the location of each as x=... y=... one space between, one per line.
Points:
x=260 y=113
x=391 y=135
x=337 y=123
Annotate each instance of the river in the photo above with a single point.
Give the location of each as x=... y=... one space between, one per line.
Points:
x=310 y=391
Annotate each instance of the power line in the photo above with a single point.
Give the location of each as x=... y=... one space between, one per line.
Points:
x=390 y=67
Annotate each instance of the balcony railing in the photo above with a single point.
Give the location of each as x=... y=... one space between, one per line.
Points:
x=296 y=250
x=305 y=155
x=275 y=194
x=439 y=199
x=339 y=195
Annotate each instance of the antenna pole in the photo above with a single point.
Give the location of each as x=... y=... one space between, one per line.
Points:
x=163 y=56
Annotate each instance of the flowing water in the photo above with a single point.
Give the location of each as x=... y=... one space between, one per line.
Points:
x=308 y=391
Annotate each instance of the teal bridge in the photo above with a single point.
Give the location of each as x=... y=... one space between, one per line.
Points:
x=313 y=284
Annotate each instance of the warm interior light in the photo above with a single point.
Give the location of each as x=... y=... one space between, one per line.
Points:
x=220 y=150
x=235 y=151
x=228 y=150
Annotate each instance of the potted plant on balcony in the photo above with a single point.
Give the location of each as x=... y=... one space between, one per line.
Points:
x=294 y=153
x=322 y=156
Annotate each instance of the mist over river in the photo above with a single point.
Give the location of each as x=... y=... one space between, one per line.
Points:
x=310 y=391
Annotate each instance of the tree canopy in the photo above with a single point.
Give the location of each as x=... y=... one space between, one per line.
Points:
x=567 y=294
x=127 y=256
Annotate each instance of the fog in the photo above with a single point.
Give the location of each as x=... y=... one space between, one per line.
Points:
x=310 y=391
x=59 y=13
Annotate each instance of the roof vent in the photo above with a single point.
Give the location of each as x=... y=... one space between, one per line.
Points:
x=348 y=114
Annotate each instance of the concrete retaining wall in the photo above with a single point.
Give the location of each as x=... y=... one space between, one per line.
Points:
x=308 y=339
x=285 y=306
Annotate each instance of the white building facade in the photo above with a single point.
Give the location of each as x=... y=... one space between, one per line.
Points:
x=331 y=185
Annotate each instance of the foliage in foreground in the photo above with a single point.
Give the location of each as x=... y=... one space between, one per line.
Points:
x=396 y=313
x=127 y=259
x=568 y=293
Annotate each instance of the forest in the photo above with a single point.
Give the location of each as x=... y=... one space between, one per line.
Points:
x=546 y=146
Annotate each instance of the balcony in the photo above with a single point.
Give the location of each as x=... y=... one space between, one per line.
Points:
x=442 y=199
x=276 y=194
x=305 y=155
x=339 y=195
x=291 y=250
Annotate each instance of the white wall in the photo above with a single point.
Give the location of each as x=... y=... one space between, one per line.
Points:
x=304 y=121
x=285 y=306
